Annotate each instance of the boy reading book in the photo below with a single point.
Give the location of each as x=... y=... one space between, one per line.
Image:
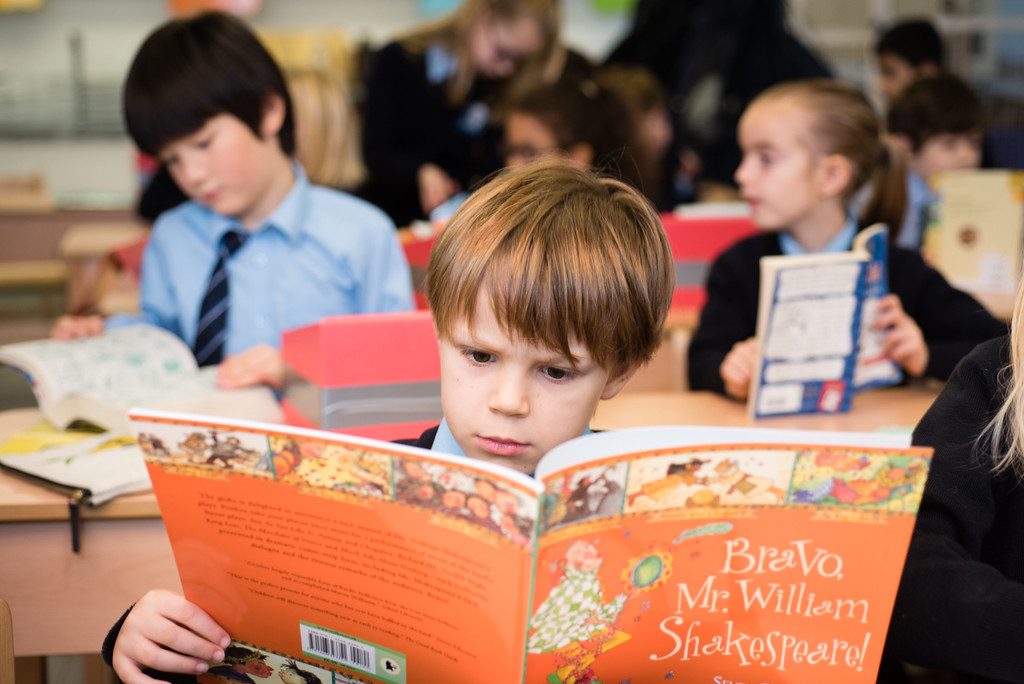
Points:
x=549 y=288
x=258 y=249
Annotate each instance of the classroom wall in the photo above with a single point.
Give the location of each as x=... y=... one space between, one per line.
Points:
x=35 y=48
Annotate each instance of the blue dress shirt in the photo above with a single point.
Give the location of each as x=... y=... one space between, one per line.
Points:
x=320 y=253
x=919 y=198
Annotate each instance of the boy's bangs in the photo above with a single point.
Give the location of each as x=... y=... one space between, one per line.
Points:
x=528 y=300
x=169 y=113
x=559 y=286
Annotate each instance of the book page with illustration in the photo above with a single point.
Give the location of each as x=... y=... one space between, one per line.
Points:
x=97 y=379
x=347 y=556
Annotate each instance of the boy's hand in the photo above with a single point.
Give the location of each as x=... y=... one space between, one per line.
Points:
x=70 y=327
x=260 y=365
x=904 y=342
x=738 y=367
x=162 y=620
x=435 y=185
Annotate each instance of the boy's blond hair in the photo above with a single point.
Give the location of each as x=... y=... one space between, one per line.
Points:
x=563 y=255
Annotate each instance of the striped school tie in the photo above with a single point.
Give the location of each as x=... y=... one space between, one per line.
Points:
x=213 y=316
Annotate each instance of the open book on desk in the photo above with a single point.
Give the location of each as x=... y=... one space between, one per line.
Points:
x=642 y=554
x=816 y=329
x=92 y=470
x=97 y=379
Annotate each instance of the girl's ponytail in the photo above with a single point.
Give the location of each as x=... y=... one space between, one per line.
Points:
x=888 y=200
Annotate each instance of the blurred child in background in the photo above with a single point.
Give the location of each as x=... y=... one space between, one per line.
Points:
x=580 y=120
x=936 y=123
x=258 y=249
x=907 y=51
x=808 y=146
x=428 y=126
x=644 y=97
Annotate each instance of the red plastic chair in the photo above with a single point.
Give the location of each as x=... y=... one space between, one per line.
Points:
x=373 y=375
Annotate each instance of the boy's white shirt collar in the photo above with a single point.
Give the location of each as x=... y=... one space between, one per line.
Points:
x=840 y=243
x=444 y=440
x=287 y=217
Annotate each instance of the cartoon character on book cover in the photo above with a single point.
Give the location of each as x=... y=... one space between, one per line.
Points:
x=575 y=620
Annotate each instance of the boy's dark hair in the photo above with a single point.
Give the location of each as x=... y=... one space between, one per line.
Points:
x=935 y=105
x=191 y=70
x=916 y=40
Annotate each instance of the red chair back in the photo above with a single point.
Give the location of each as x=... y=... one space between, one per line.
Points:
x=373 y=375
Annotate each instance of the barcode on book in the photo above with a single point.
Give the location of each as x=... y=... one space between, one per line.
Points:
x=337 y=648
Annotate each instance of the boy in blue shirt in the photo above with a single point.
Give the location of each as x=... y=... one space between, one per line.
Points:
x=258 y=249
x=936 y=123
x=549 y=287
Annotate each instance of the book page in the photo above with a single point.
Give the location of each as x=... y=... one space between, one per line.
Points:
x=101 y=466
x=196 y=393
x=139 y=356
x=738 y=561
x=368 y=560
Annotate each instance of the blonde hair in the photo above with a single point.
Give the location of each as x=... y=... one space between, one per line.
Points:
x=563 y=254
x=454 y=30
x=327 y=128
x=1003 y=437
x=844 y=123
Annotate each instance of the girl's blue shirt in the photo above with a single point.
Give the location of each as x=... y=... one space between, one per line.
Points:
x=840 y=243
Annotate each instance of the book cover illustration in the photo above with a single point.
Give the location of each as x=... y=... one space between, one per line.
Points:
x=762 y=563
x=974 y=233
x=363 y=561
x=818 y=345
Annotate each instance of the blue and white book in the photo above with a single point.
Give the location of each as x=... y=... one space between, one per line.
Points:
x=818 y=344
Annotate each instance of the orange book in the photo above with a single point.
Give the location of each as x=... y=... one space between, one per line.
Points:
x=699 y=554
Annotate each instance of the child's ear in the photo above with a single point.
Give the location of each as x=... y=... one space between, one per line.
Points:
x=273 y=116
x=618 y=381
x=836 y=173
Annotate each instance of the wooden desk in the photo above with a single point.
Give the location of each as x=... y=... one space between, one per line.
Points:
x=895 y=407
x=64 y=603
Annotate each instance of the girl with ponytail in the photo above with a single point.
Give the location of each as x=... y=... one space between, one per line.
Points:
x=809 y=147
